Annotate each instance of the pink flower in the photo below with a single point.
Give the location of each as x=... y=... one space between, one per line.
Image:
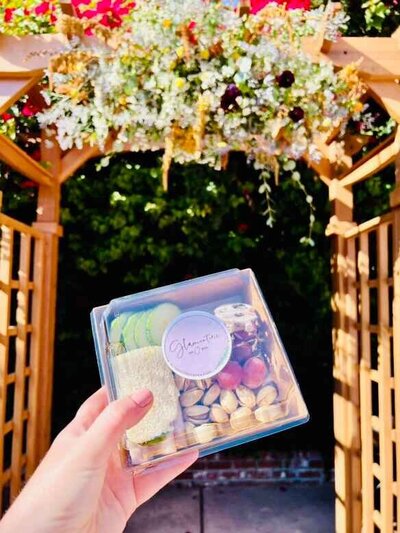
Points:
x=29 y=110
x=8 y=14
x=109 y=12
x=258 y=5
x=298 y=4
x=42 y=8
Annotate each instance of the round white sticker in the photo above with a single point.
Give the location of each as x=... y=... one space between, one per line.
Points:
x=196 y=345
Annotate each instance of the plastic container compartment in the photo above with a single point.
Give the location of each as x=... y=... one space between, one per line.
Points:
x=209 y=351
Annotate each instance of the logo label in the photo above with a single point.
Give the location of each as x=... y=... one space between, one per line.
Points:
x=196 y=345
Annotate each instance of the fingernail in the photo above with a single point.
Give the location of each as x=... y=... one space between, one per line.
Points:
x=142 y=397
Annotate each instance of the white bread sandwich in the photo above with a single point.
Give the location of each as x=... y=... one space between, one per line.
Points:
x=145 y=368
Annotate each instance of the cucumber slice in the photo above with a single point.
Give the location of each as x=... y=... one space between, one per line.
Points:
x=140 y=330
x=128 y=333
x=116 y=327
x=158 y=320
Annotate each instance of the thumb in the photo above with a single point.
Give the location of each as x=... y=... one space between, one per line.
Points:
x=101 y=439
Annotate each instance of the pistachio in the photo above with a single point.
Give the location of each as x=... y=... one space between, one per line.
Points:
x=197 y=421
x=228 y=401
x=241 y=418
x=187 y=437
x=190 y=397
x=269 y=413
x=247 y=398
x=205 y=433
x=196 y=412
x=189 y=427
x=189 y=384
x=204 y=383
x=179 y=382
x=218 y=414
x=267 y=395
x=211 y=395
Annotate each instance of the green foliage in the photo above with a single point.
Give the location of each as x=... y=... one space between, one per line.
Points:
x=123 y=234
x=372 y=17
x=159 y=234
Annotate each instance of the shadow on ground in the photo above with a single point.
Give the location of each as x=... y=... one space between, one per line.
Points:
x=296 y=509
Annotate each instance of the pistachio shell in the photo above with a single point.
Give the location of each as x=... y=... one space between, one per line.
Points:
x=197 y=421
x=190 y=397
x=189 y=427
x=241 y=418
x=228 y=401
x=196 y=412
x=269 y=413
x=211 y=395
x=247 y=398
x=205 y=433
x=204 y=384
x=267 y=394
x=218 y=414
x=179 y=382
x=187 y=436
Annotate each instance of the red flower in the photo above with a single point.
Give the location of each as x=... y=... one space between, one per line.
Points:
x=192 y=36
x=8 y=14
x=28 y=184
x=7 y=116
x=36 y=154
x=42 y=8
x=242 y=227
x=29 y=110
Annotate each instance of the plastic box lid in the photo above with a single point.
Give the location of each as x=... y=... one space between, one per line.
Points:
x=209 y=351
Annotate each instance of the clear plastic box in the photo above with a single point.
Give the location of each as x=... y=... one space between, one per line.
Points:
x=210 y=352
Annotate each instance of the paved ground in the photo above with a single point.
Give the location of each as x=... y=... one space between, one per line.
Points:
x=298 y=509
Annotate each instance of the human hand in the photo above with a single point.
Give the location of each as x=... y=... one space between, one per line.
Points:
x=80 y=485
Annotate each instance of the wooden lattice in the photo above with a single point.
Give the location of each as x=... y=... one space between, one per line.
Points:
x=367 y=368
x=21 y=290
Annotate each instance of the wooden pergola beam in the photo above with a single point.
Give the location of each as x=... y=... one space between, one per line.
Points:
x=388 y=94
x=373 y=164
x=12 y=89
x=74 y=159
x=379 y=56
x=16 y=158
x=21 y=57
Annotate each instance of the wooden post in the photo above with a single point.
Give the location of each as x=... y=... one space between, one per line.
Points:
x=395 y=203
x=346 y=368
x=48 y=223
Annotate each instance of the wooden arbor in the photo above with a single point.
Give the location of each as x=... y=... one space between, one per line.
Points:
x=366 y=342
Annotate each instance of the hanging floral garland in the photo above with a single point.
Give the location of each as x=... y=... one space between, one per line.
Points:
x=200 y=79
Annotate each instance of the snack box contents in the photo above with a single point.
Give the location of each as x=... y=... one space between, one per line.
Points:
x=209 y=351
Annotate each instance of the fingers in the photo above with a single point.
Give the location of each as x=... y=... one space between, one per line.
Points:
x=90 y=410
x=151 y=481
x=102 y=437
x=84 y=418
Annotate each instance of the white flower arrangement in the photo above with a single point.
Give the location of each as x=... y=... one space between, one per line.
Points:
x=201 y=79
